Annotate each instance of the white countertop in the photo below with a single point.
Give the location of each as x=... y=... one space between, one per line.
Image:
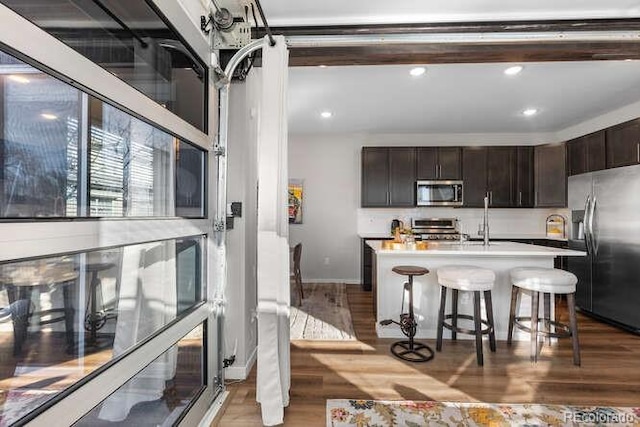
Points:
x=476 y=248
x=494 y=236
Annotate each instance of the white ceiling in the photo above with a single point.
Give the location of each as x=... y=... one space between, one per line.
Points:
x=458 y=98
x=345 y=12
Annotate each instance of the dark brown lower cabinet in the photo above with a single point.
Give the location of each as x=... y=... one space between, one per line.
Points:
x=368 y=268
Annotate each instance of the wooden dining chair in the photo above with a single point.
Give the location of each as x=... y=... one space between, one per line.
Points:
x=296 y=274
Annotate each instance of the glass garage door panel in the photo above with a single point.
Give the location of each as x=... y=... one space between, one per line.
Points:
x=63 y=317
x=38 y=143
x=159 y=394
x=129 y=39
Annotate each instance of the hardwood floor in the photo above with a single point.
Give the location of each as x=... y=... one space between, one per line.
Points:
x=365 y=369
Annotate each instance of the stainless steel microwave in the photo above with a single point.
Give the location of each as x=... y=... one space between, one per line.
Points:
x=439 y=193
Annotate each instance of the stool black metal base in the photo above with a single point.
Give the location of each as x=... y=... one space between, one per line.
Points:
x=409 y=350
x=412 y=351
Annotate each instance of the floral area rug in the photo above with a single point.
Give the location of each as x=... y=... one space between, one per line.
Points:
x=379 y=413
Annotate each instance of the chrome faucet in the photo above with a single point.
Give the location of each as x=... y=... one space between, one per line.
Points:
x=484 y=230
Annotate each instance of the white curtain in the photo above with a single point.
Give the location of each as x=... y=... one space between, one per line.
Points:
x=273 y=249
x=147 y=302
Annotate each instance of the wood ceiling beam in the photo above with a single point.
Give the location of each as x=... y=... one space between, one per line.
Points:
x=465 y=53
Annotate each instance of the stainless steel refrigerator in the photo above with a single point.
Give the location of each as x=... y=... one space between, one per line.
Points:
x=605 y=222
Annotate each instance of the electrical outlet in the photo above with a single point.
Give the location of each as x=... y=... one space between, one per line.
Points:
x=327 y=261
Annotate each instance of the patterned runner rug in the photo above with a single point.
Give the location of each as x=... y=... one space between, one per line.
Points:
x=379 y=413
x=323 y=315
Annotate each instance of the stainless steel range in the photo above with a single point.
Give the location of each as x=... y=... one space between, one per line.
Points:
x=436 y=228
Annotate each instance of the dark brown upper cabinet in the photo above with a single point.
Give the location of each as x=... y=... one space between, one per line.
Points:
x=587 y=153
x=438 y=163
x=524 y=190
x=501 y=176
x=623 y=144
x=550 y=175
x=474 y=175
x=489 y=171
x=388 y=176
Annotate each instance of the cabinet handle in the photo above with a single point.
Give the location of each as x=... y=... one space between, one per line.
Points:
x=440 y=171
x=638 y=152
x=519 y=198
x=491 y=197
x=436 y=166
x=388 y=197
x=535 y=199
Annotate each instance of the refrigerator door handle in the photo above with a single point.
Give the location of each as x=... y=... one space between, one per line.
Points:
x=587 y=236
x=592 y=236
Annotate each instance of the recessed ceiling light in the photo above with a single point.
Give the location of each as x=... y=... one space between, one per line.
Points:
x=48 y=116
x=530 y=112
x=322 y=66
x=512 y=71
x=18 y=79
x=417 y=71
x=326 y=114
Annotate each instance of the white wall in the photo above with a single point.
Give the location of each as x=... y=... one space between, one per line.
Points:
x=240 y=322
x=332 y=217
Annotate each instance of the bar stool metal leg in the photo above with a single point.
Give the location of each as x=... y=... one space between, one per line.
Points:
x=477 y=326
x=489 y=308
x=454 y=312
x=512 y=313
x=573 y=324
x=547 y=316
x=443 y=303
x=535 y=306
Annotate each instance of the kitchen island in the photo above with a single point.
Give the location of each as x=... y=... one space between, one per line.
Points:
x=498 y=256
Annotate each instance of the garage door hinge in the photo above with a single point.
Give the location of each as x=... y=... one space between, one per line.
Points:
x=219 y=150
x=219 y=225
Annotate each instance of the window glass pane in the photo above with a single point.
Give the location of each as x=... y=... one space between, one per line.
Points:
x=190 y=171
x=131 y=167
x=160 y=393
x=38 y=143
x=131 y=41
x=63 y=317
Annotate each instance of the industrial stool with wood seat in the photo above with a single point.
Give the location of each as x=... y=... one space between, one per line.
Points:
x=409 y=349
x=547 y=281
x=472 y=279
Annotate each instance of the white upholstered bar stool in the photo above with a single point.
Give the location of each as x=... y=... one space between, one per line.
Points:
x=546 y=281
x=471 y=279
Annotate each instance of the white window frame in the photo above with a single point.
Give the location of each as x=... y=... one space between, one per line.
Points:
x=39 y=238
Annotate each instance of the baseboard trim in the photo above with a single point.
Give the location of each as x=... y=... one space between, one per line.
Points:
x=241 y=372
x=345 y=281
x=215 y=411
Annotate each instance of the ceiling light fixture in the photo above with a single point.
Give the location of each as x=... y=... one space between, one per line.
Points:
x=530 y=112
x=48 y=116
x=322 y=66
x=326 y=114
x=18 y=79
x=417 y=71
x=512 y=71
